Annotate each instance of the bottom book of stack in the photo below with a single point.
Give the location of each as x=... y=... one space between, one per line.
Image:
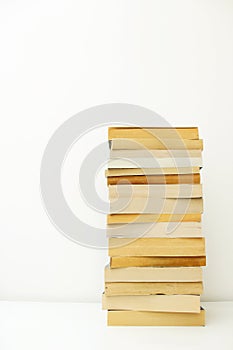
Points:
x=148 y=318
x=153 y=296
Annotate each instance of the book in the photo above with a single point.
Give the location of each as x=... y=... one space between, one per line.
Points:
x=149 y=261
x=154 y=163
x=151 y=171
x=158 y=303
x=155 y=229
x=152 y=132
x=140 y=153
x=153 y=274
x=156 y=247
x=157 y=144
x=155 y=179
x=143 y=318
x=152 y=205
x=136 y=218
x=156 y=191
x=150 y=288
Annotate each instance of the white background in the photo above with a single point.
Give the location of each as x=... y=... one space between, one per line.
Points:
x=60 y=57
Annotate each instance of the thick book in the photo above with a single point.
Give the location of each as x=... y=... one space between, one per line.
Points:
x=156 y=191
x=153 y=132
x=153 y=274
x=158 y=303
x=154 y=179
x=151 y=162
x=156 y=247
x=152 y=205
x=143 y=318
x=164 y=153
x=150 y=288
x=149 y=261
x=137 y=218
x=156 y=144
x=156 y=229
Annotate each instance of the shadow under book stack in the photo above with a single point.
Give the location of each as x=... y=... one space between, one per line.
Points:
x=156 y=246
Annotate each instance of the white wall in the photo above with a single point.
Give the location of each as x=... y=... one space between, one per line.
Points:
x=60 y=57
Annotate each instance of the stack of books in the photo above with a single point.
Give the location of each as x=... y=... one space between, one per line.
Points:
x=156 y=246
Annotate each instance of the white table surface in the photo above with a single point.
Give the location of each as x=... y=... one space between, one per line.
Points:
x=68 y=326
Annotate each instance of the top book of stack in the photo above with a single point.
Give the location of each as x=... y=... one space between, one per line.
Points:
x=157 y=138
